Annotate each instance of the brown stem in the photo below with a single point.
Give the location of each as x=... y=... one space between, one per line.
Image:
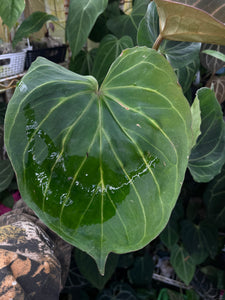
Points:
x=157 y=43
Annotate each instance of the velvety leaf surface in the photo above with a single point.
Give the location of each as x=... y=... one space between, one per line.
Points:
x=214 y=198
x=81 y=18
x=182 y=264
x=183 y=56
x=192 y=21
x=127 y=24
x=108 y=51
x=89 y=270
x=32 y=24
x=6 y=174
x=10 y=11
x=208 y=155
x=211 y=63
x=101 y=167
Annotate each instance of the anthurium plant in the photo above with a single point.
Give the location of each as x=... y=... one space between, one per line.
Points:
x=101 y=154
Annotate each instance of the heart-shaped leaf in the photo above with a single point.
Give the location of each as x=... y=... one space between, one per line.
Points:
x=10 y=11
x=127 y=24
x=207 y=156
x=192 y=21
x=108 y=51
x=182 y=264
x=183 y=56
x=199 y=240
x=32 y=24
x=102 y=167
x=81 y=18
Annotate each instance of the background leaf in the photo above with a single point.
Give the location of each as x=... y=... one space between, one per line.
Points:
x=182 y=264
x=141 y=273
x=215 y=54
x=89 y=270
x=209 y=62
x=214 y=198
x=6 y=174
x=127 y=24
x=183 y=57
x=32 y=24
x=10 y=11
x=199 y=21
x=118 y=291
x=108 y=51
x=81 y=18
x=217 y=84
x=82 y=63
x=200 y=241
x=169 y=235
x=119 y=155
x=207 y=157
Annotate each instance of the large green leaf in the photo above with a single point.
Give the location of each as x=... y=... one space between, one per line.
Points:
x=32 y=24
x=183 y=56
x=208 y=155
x=182 y=264
x=192 y=21
x=127 y=24
x=102 y=167
x=214 y=198
x=10 y=11
x=6 y=174
x=199 y=240
x=81 y=18
x=108 y=51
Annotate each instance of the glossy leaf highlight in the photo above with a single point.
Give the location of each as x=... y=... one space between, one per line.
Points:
x=102 y=167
